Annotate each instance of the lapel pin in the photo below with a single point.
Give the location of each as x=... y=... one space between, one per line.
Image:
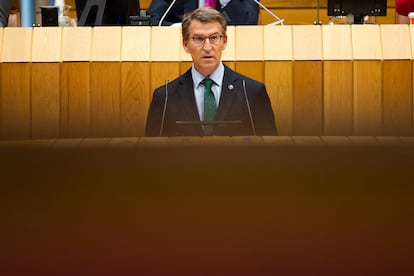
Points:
x=230 y=87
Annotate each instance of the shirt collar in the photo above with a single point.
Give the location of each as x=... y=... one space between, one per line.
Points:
x=216 y=76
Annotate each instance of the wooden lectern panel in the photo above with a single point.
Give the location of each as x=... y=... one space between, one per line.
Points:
x=338 y=95
x=279 y=85
x=165 y=44
x=337 y=44
x=251 y=69
x=249 y=43
x=15 y=100
x=136 y=43
x=366 y=42
x=75 y=99
x=277 y=43
x=395 y=41
x=135 y=97
x=45 y=100
x=411 y=26
x=76 y=44
x=307 y=98
x=307 y=42
x=229 y=54
x=367 y=97
x=1 y=43
x=105 y=99
x=17 y=43
x=106 y=44
x=46 y=44
x=397 y=101
x=163 y=71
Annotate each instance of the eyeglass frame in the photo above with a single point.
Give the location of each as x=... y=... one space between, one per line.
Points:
x=205 y=39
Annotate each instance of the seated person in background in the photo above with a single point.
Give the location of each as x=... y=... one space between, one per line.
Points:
x=403 y=8
x=209 y=90
x=236 y=12
x=5 y=6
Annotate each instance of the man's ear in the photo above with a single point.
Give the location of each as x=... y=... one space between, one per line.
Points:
x=185 y=46
x=224 y=42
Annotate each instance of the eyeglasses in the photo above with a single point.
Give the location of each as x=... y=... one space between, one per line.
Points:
x=212 y=39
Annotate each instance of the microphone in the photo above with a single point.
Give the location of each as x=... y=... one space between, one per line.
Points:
x=318 y=20
x=166 y=12
x=164 y=109
x=278 y=20
x=248 y=108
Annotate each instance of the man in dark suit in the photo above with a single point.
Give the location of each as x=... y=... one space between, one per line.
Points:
x=209 y=92
x=116 y=12
x=236 y=12
x=5 y=6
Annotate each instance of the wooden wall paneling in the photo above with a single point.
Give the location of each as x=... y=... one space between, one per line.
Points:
x=185 y=66
x=75 y=99
x=397 y=98
x=249 y=43
x=136 y=43
x=278 y=77
x=367 y=97
x=45 y=80
x=75 y=82
x=338 y=79
x=106 y=81
x=307 y=98
x=251 y=69
x=338 y=97
x=367 y=55
x=135 y=97
x=45 y=100
x=162 y=71
x=165 y=44
x=15 y=100
x=397 y=79
x=105 y=99
x=15 y=83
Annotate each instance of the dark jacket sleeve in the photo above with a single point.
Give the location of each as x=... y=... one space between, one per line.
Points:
x=262 y=112
x=241 y=12
x=5 y=6
x=157 y=9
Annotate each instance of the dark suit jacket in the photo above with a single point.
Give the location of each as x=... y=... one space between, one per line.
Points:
x=181 y=106
x=237 y=12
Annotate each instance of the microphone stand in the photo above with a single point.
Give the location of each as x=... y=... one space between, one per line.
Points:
x=318 y=8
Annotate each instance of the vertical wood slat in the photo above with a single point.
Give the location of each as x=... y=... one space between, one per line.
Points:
x=162 y=71
x=46 y=45
x=45 y=100
x=251 y=69
x=397 y=98
x=135 y=97
x=367 y=97
x=338 y=98
x=75 y=99
x=307 y=98
x=15 y=100
x=105 y=99
x=279 y=84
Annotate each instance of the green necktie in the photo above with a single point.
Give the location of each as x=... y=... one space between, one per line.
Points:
x=209 y=105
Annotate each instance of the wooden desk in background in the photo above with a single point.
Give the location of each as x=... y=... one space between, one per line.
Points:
x=97 y=82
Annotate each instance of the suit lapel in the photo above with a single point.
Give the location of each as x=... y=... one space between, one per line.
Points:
x=229 y=93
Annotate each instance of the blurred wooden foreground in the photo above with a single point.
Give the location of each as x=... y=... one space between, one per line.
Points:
x=98 y=82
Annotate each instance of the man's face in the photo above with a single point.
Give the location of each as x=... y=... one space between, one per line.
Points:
x=206 y=57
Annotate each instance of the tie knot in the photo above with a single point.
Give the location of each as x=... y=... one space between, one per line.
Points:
x=208 y=83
